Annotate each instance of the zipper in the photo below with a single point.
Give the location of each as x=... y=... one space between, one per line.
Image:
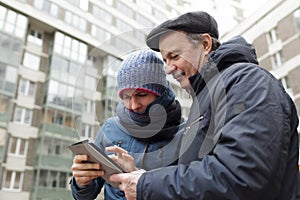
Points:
x=119 y=143
x=192 y=123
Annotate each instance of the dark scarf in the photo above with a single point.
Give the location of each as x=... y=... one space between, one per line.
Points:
x=159 y=121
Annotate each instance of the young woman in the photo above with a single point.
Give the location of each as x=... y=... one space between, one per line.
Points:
x=146 y=131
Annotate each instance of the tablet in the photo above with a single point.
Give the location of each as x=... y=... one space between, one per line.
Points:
x=96 y=155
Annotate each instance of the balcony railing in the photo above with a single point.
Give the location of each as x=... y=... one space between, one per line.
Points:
x=55 y=162
x=60 y=130
x=52 y=193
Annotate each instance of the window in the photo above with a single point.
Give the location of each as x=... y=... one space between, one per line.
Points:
x=87 y=131
x=12 y=180
x=11 y=74
x=276 y=60
x=100 y=33
x=64 y=70
x=63 y=180
x=272 y=36
x=70 y=48
x=4 y=103
x=140 y=35
x=35 y=37
x=158 y=14
x=102 y=15
x=18 y=146
x=89 y=106
x=31 y=61
x=53 y=179
x=111 y=107
x=123 y=26
x=145 y=22
x=297 y=19
x=143 y=5
x=285 y=82
x=11 y=45
x=124 y=9
x=8 y=77
x=46 y=6
x=58 y=117
x=123 y=45
x=60 y=94
x=90 y=83
x=82 y=4
x=23 y=115
x=43 y=178
x=75 y=21
x=12 y=22
x=26 y=87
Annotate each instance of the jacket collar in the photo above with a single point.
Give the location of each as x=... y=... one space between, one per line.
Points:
x=236 y=50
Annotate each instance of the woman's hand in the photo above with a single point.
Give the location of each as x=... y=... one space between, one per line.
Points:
x=122 y=158
x=84 y=172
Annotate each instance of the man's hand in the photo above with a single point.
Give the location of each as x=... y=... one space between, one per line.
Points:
x=84 y=172
x=128 y=182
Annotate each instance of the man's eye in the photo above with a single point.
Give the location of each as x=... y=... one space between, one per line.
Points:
x=174 y=56
x=126 y=97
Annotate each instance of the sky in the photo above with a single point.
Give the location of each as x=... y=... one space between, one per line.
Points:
x=224 y=10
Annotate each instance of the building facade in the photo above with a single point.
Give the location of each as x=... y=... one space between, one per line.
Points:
x=58 y=67
x=274 y=31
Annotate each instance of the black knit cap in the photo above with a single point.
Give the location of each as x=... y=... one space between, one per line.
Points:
x=191 y=22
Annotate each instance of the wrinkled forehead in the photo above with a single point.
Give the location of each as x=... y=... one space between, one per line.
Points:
x=172 y=40
x=135 y=91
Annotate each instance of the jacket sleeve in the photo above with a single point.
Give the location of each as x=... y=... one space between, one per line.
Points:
x=92 y=190
x=88 y=192
x=250 y=157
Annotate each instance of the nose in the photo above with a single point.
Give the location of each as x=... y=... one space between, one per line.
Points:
x=170 y=67
x=134 y=104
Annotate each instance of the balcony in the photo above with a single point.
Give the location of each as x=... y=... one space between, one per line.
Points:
x=55 y=162
x=60 y=131
x=2 y=149
x=52 y=193
x=4 y=117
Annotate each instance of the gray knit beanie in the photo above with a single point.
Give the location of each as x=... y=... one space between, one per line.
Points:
x=142 y=70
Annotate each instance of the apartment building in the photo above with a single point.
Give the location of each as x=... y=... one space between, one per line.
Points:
x=274 y=31
x=58 y=67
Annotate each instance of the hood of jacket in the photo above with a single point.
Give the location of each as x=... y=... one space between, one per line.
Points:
x=236 y=50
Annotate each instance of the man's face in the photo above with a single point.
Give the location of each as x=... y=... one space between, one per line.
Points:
x=182 y=57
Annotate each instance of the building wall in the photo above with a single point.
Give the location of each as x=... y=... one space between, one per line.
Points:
x=274 y=31
x=53 y=63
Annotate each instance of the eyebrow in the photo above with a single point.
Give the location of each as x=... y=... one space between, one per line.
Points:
x=135 y=93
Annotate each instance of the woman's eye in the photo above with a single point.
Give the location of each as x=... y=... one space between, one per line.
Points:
x=142 y=94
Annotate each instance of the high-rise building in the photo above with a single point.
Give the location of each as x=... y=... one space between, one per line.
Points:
x=274 y=31
x=58 y=67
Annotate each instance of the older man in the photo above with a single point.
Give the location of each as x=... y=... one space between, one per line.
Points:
x=241 y=139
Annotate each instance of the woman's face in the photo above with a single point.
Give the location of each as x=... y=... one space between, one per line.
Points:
x=137 y=100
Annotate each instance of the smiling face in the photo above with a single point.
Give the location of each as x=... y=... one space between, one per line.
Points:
x=137 y=100
x=182 y=57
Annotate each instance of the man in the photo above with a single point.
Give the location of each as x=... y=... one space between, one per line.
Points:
x=241 y=139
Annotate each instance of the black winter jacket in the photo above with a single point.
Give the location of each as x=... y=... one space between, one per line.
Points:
x=241 y=139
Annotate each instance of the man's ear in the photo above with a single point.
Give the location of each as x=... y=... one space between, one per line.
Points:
x=206 y=42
